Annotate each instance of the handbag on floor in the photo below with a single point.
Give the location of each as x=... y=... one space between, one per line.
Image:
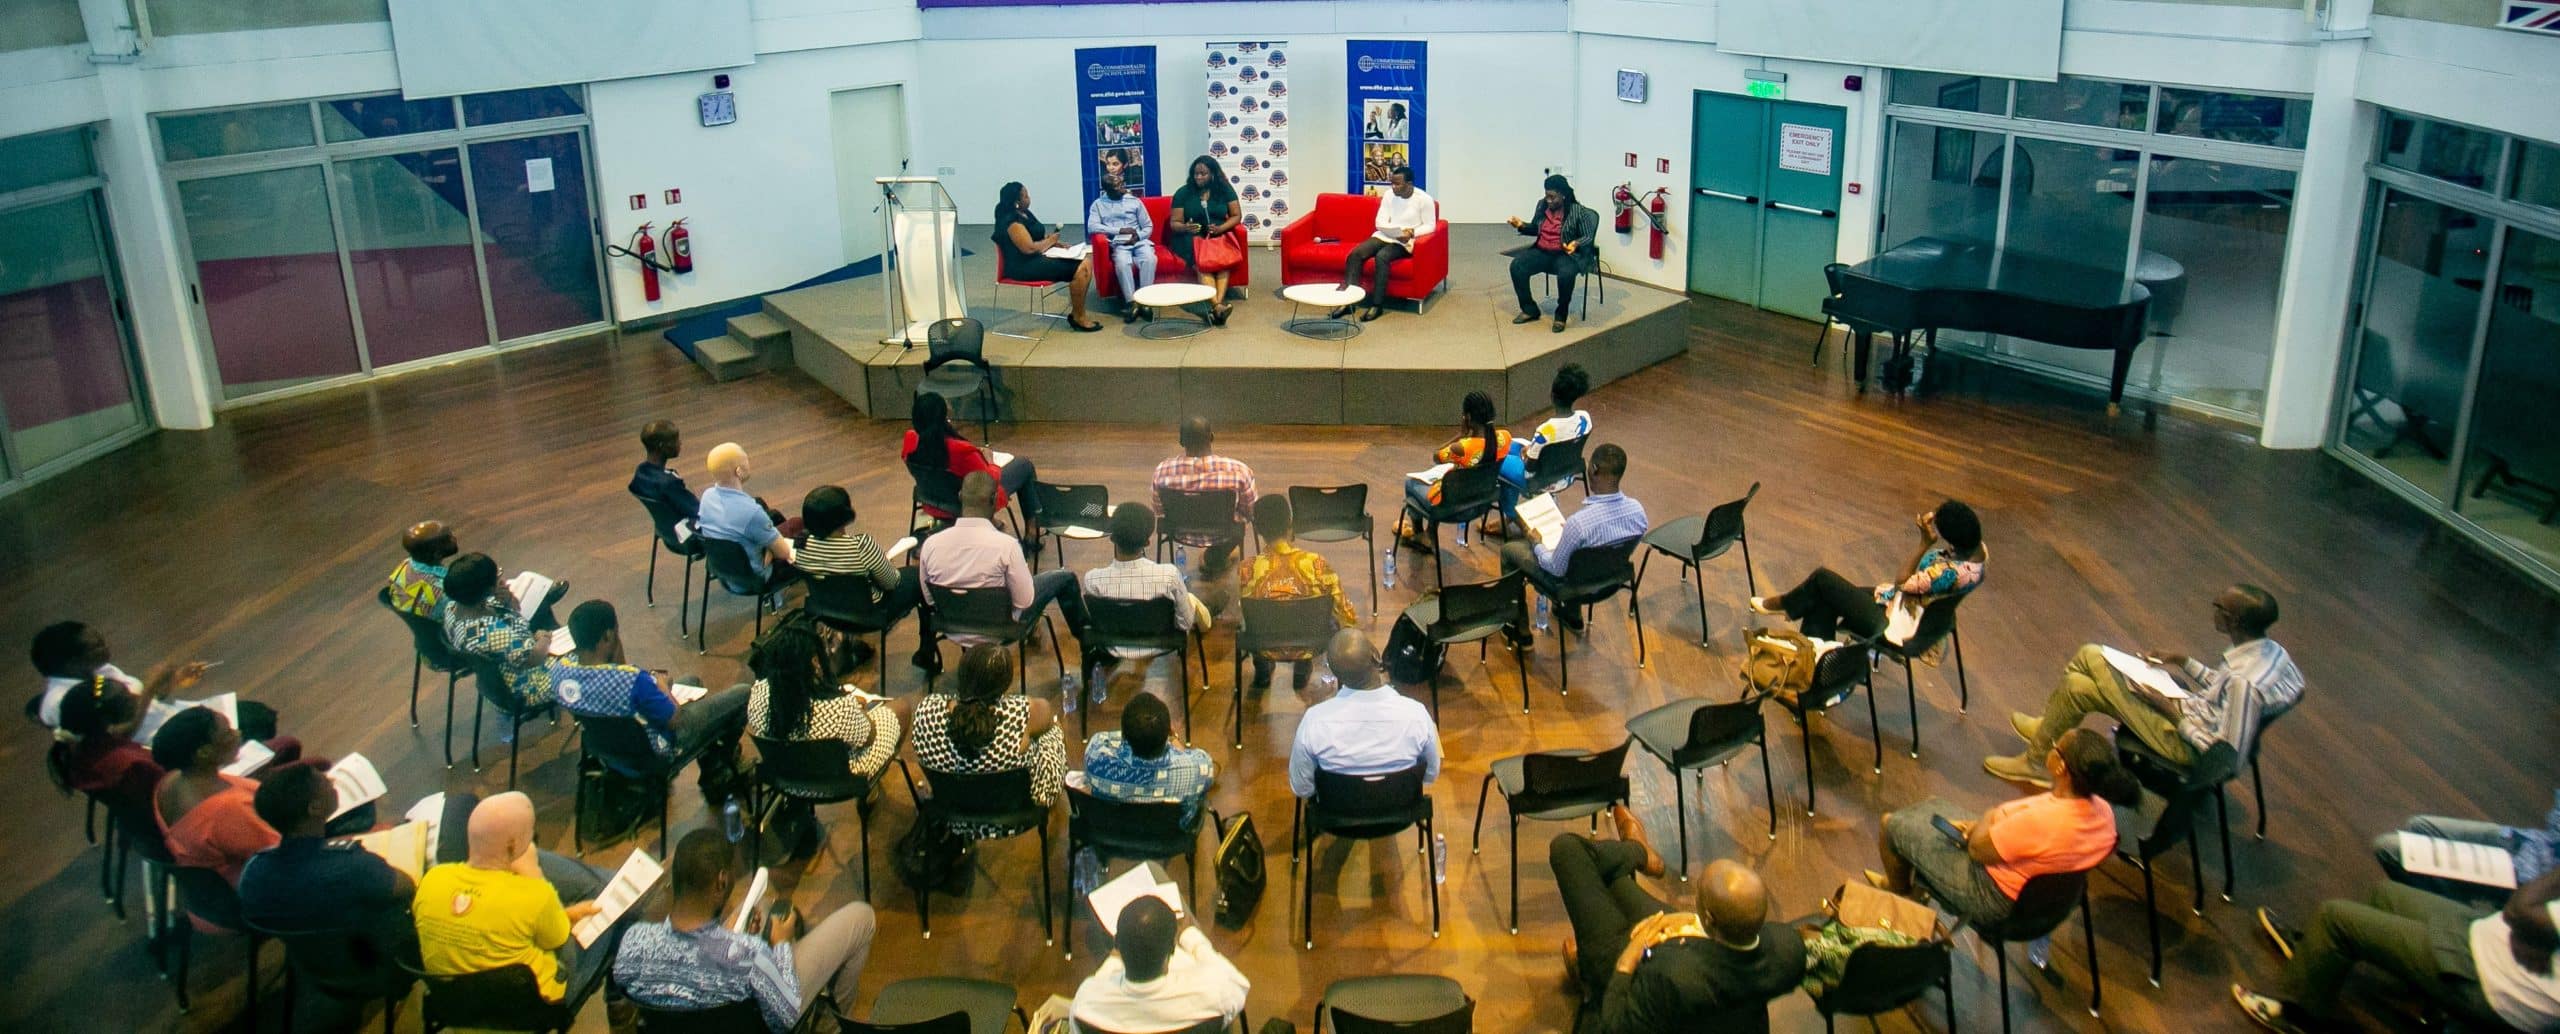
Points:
x=1241 y=875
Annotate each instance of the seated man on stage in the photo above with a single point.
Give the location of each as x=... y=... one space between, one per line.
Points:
x=1564 y=229
x=1120 y=216
x=1405 y=214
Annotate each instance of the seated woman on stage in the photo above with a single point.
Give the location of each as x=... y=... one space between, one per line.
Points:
x=1949 y=564
x=1205 y=206
x=1479 y=440
x=931 y=434
x=1022 y=245
x=1563 y=229
x=1565 y=424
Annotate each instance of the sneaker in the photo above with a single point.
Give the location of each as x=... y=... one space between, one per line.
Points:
x=2026 y=724
x=2017 y=770
x=2281 y=935
x=2267 y=1011
x=1761 y=605
x=1300 y=672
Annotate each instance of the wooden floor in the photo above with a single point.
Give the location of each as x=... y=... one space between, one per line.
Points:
x=260 y=543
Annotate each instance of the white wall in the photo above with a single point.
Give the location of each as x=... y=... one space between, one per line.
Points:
x=2482 y=77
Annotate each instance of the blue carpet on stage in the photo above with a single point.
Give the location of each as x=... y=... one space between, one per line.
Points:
x=685 y=332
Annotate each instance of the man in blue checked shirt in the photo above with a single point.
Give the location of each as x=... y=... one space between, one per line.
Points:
x=694 y=961
x=1607 y=518
x=1141 y=763
x=1121 y=218
x=597 y=684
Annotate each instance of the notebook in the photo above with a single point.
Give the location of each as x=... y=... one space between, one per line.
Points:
x=638 y=873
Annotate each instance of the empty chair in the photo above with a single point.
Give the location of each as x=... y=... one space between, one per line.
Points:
x=508 y=998
x=1839 y=672
x=1551 y=786
x=1403 y=1003
x=429 y=651
x=1079 y=512
x=987 y=613
x=1880 y=978
x=956 y=367
x=1466 y=494
x=1337 y=513
x=728 y=564
x=1689 y=735
x=1270 y=625
x=938 y=1005
x=994 y=806
x=813 y=772
x=1361 y=808
x=1591 y=575
x=2042 y=906
x=1149 y=624
x=2166 y=817
x=1201 y=520
x=1147 y=831
x=672 y=533
x=1474 y=613
x=1692 y=541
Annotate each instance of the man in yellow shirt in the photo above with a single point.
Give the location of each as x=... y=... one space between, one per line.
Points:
x=1284 y=572
x=502 y=907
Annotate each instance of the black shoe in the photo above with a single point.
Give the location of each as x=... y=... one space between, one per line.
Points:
x=1261 y=673
x=1570 y=619
x=1340 y=312
x=1299 y=671
x=1519 y=638
x=1526 y=317
x=1129 y=315
x=1372 y=314
x=1558 y=328
x=927 y=661
x=1218 y=316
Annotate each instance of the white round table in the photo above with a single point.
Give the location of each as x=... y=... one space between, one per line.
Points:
x=1323 y=296
x=1159 y=297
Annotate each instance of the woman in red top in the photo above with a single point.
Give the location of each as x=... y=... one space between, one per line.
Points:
x=933 y=435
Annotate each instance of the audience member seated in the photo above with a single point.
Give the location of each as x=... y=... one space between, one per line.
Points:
x=1122 y=219
x=1199 y=470
x=1162 y=975
x=1282 y=571
x=69 y=654
x=729 y=514
x=933 y=435
x=210 y=816
x=1478 y=441
x=1204 y=207
x=1131 y=576
x=2531 y=850
x=1564 y=424
x=417 y=585
x=1950 y=563
x=2256 y=683
x=2069 y=828
x=598 y=683
x=1141 y=762
x=985 y=727
x=309 y=884
x=830 y=545
x=481 y=619
x=502 y=906
x=1562 y=229
x=797 y=697
x=1606 y=518
x=972 y=554
x=692 y=961
x=1022 y=253
x=1367 y=728
x=2491 y=970
x=1644 y=968
x=654 y=480
x=101 y=759
x=1405 y=215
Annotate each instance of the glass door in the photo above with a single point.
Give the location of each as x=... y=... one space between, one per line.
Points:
x=537 y=234
x=268 y=279
x=408 y=239
x=65 y=381
x=2511 y=460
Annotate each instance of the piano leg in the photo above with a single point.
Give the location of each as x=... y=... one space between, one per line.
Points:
x=2115 y=382
x=1866 y=347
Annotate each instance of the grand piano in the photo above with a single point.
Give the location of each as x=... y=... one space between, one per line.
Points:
x=1930 y=283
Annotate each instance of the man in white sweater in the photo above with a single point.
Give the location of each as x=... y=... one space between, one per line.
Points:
x=1405 y=216
x=1162 y=975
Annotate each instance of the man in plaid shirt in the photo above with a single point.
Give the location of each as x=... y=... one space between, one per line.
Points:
x=1196 y=470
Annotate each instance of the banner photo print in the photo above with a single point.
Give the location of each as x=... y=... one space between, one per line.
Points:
x=1116 y=116
x=1388 y=83
x=1249 y=131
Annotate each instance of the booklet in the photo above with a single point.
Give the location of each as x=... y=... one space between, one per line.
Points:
x=1140 y=882
x=899 y=548
x=999 y=458
x=408 y=847
x=227 y=705
x=2150 y=676
x=638 y=873
x=1433 y=474
x=1543 y=517
x=753 y=900
x=683 y=694
x=357 y=783
x=562 y=643
x=2488 y=865
x=529 y=588
x=253 y=756
x=684 y=531
x=1071 y=252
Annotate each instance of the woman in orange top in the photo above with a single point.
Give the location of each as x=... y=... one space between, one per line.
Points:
x=209 y=816
x=2070 y=829
x=1480 y=440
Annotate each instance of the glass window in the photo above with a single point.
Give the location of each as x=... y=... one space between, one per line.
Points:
x=1953 y=92
x=1944 y=183
x=482 y=109
x=2245 y=118
x=246 y=130
x=2213 y=239
x=2414 y=349
x=409 y=245
x=2511 y=467
x=2455 y=154
x=367 y=118
x=267 y=269
x=63 y=378
x=2537 y=178
x=2069 y=203
x=33 y=161
x=2087 y=102
x=535 y=231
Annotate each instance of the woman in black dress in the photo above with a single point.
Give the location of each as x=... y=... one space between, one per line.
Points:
x=1206 y=206
x=1021 y=246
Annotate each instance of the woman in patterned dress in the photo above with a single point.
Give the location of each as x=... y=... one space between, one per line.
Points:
x=796 y=697
x=982 y=728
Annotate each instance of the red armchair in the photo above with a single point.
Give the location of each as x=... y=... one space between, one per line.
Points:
x=1169 y=267
x=1314 y=246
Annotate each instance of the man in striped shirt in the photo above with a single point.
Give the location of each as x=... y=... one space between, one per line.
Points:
x=1197 y=470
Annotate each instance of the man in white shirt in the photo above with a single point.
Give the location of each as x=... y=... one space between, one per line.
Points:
x=68 y=653
x=1157 y=979
x=1367 y=728
x=1405 y=216
x=2490 y=971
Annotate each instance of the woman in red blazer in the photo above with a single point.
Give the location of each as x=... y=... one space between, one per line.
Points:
x=933 y=434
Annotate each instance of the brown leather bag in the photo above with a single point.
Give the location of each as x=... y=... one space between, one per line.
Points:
x=1780 y=663
x=1861 y=905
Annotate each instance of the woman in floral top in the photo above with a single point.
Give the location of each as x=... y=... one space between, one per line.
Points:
x=1949 y=564
x=985 y=728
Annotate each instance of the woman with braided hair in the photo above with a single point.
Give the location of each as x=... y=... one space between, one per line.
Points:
x=796 y=697
x=1481 y=439
x=983 y=728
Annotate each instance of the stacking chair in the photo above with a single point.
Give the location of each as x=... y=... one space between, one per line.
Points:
x=493 y=682
x=1150 y=831
x=666 y=535
x=429 y=651
x=137 y=833
x=956 y=367
x=1402 y=1003
x=938 y=1005
x=1551 y=786
x=1880 y=978
x=1080 y=512
x=1361 y=808
x=1596 y=281
x=1149 y=624
x=813 y=772
x=205 y=895
x=728 y=564
x=1692 y=541
x=1271 y=625
x=345 y=965
x=744 y=1016
x=1466 y=494
x=1593 y=574
x=1201 y=520
x=2166 y=817
x=1937 y=621
x=994 y=798
x=507 y=998
x=1474 y=612
x=1839 y=673
x=844 y=602
x=2042 y=906
x=1337 y=513
x=2159 y=773
x=1689 y=735
x=621 y=746
x=937 y=491
x=1557 y=467
x=988 y=613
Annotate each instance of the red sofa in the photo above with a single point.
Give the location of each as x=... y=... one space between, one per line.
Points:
x=1314 y=246
x=1169 y=267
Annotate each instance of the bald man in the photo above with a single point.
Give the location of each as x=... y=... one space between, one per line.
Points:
x=417 y=585
x=1367 y=728
x=502 y=906
x=729 y=514
x=1645 y=968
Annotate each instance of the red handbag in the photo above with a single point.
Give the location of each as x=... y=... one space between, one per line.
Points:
x=1216 y=254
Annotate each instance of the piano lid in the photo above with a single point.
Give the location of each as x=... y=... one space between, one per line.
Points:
x=1939 y=264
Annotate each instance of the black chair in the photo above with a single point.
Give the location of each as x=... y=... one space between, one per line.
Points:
x=1466 y=494
x=429 y=651
x=665 y=535
x=813 y=772
x=938 y=1005
x=2165 y=777
x=348 y=965
x=1837 y=674
x=621 y=747
x=1150 y=831
x=507 y=998
x=957 y=369
x=1361 y=808
x=2166 y=817
x=1692 y=541
x=1937 y=621
x=937 y=489
x=988 y=613
x=137 y=835
x=740 y=1017
x=1474 y=612
x=1148 y=624
x=491 y=682
x=111 y=855
x=2043 y=905
x=1689 y=735
x=1337 y=513
x=728 y=564
x=998 y=799
x=1595 y=280
x=204 y=894
x=1593 y=574
x=846 y=603
x=1080 y=512
x=1273 y=625
x=1559 y=465
x=1551 y=786
x=1201 y=520
x=1881 y=978
x=1401 y=1003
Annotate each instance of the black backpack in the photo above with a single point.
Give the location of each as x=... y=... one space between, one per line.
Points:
x=1240 y=871
x=1412 y=658
x=932 y=857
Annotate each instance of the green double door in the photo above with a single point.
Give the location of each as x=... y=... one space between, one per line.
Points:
x=1764 y=200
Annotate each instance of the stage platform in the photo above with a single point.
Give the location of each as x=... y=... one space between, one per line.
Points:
x=1404 y=368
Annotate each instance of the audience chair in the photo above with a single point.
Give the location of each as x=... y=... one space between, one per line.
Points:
x=1879 y=978
x=1591 y=575
x=1557 y=467
x=2158 y=772
x=1200 y=520
x=1401 y=1003
x=740 y=1017
x=1361 y=808
x=728 y=564
x=492 y=681
x=1142 y=624
x=813 y=772
x=844 y=602
x=1276 y=625
x=2043 y=905
x=429 y=651
x=1837 y=674
x=620 y=746
x=111 y=855
x=1692 y=541
x=936 y=494
x=1474 y=612
x=939 y=1005
x=1337 y=513
x=1080 y=512
x=205 y=895
x=956 y=368
x=1551 y=786
x=1937 y=621
x=988 y=613
x=992 y=798
x=347 y=966
x=668 y=533
x=1690 y=735
x=137 y=833
x=2165 y=818
x=1466 y=494
x=1150 y=831
x=507 y=998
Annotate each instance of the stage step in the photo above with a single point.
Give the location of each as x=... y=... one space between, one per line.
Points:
x=756 y=342
x=726 y=358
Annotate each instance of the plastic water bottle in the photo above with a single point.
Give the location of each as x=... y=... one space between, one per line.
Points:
x=1542 y=613
x=1390 y=577
x=1088 y=874
x=733 y=821
x=2040 y=950
x=1069 y=685
x=1181 y=556
x=1462 y=533
x=1439 y=858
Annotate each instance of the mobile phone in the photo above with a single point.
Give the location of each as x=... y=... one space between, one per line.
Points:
x=1947 y=827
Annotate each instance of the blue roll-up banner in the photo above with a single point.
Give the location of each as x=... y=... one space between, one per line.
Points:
x=1388 y=83
x=1116 y=112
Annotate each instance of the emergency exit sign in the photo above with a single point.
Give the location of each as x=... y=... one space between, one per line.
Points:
x=1768 y=86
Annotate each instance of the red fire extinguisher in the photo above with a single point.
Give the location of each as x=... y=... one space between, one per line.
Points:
x=1624 y=199
x=1660 y=220
x=679 y=247
x=645 y=248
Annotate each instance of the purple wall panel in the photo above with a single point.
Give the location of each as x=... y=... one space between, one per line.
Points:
x=59 y=354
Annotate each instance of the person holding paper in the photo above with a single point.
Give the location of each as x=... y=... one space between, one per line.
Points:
x=69 y=654
x=1978 y=872
x=1162 y=974
x=1607 y=517
x=1405 y=216
x=729 y=514
x=309 y=884
x=210 y=816
x=2529 y=850
x=2489 y=970
x=1645 y=967
x=972 y=554
x=704 y=957
x=2257 y=683
x=797 y=696
x=1282 y=571
x=1479 y=440
x=931 y=436
x=1367 y=727
x=1950 y=563
x=1566 y=423
x=657 y=482
x=1022 y=253
x=502 y=906
x=599 y=683
x=1119 y=216
x=483 y=621
x=1201 y=469
x=830 y=546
